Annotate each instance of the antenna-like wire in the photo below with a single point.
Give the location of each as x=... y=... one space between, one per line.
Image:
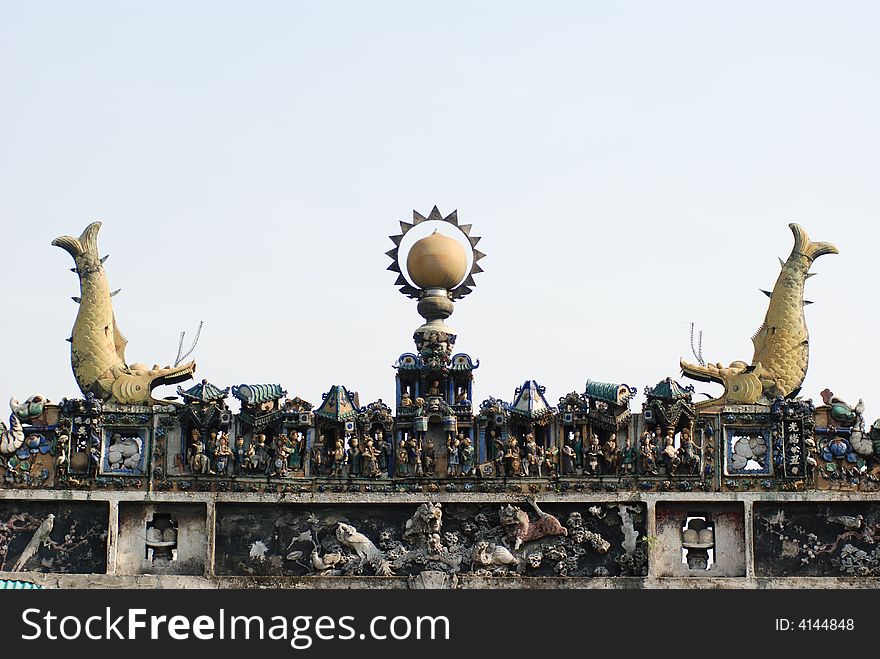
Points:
x=698 y=349
x=181 y=357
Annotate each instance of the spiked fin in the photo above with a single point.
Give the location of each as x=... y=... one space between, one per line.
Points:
x=803 y=244
x=119 y=340
x=759 y=337
x=76 y=299
x=767 y=293
x=806 y=302
x=781 y=262
x=115 y=292
x=104 y=258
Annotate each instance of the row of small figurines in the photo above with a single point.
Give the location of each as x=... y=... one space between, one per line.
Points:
x=216 y=455
x=592 y=458
x=372 y=457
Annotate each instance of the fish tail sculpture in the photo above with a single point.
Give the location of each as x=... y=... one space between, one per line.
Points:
x=782 y=344
x=97 y=352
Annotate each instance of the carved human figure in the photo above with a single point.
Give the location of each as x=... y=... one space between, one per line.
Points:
x=405 y=399
x=239 y=455
x=415 y=457
x=568 y=457
x=429 y=459
x=198 y=461
x=610 y=455
x=592 y=457
x=354 y=457
x=222 y=455
x=648 y=454
x=532 y=466
x=295 y=442
x=687 y=453
x=512 y=458
x=549 y=464
x=259 y=452
x=434 y=389
x=381 y=454
x=317 y=455
x=453 y=458
x=498 y=457
x=578 y=446
x=403 y=459
x=337 y=459
x=628 y=458
x=468 y=458
x=211 y=446
x=670 y=456
x=369 y=460
x=278 y=462
x=492 y=444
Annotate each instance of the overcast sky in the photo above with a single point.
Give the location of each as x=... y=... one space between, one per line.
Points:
x=632 y=167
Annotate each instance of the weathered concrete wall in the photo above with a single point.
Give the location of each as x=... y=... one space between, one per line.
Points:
x=133 y=556
x=728 y=553
x=762 y=539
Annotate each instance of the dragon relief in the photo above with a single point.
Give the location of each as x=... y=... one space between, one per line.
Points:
x=782 y=345
x=97 y=352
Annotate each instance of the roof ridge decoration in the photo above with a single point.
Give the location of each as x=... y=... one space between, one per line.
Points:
x=338 y=404
x=618 y=394
x=529 y=401
x=669 y=389
x=256 y=394
x=466 y=286
x=203 y=392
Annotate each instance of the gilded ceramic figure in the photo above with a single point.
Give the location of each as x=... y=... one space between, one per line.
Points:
x=782 y=344
x=97 y=346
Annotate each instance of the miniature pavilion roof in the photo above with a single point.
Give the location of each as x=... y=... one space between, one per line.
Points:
x=617 y=394
x=254 y=394
x=203 y=392
x=338 y=405
x=670 y=390
x=529 y=401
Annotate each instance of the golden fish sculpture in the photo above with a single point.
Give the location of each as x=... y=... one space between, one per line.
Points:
x=97 y=347
x=782 y=343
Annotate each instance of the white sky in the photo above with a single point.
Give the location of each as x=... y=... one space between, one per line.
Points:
x=630 y=166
